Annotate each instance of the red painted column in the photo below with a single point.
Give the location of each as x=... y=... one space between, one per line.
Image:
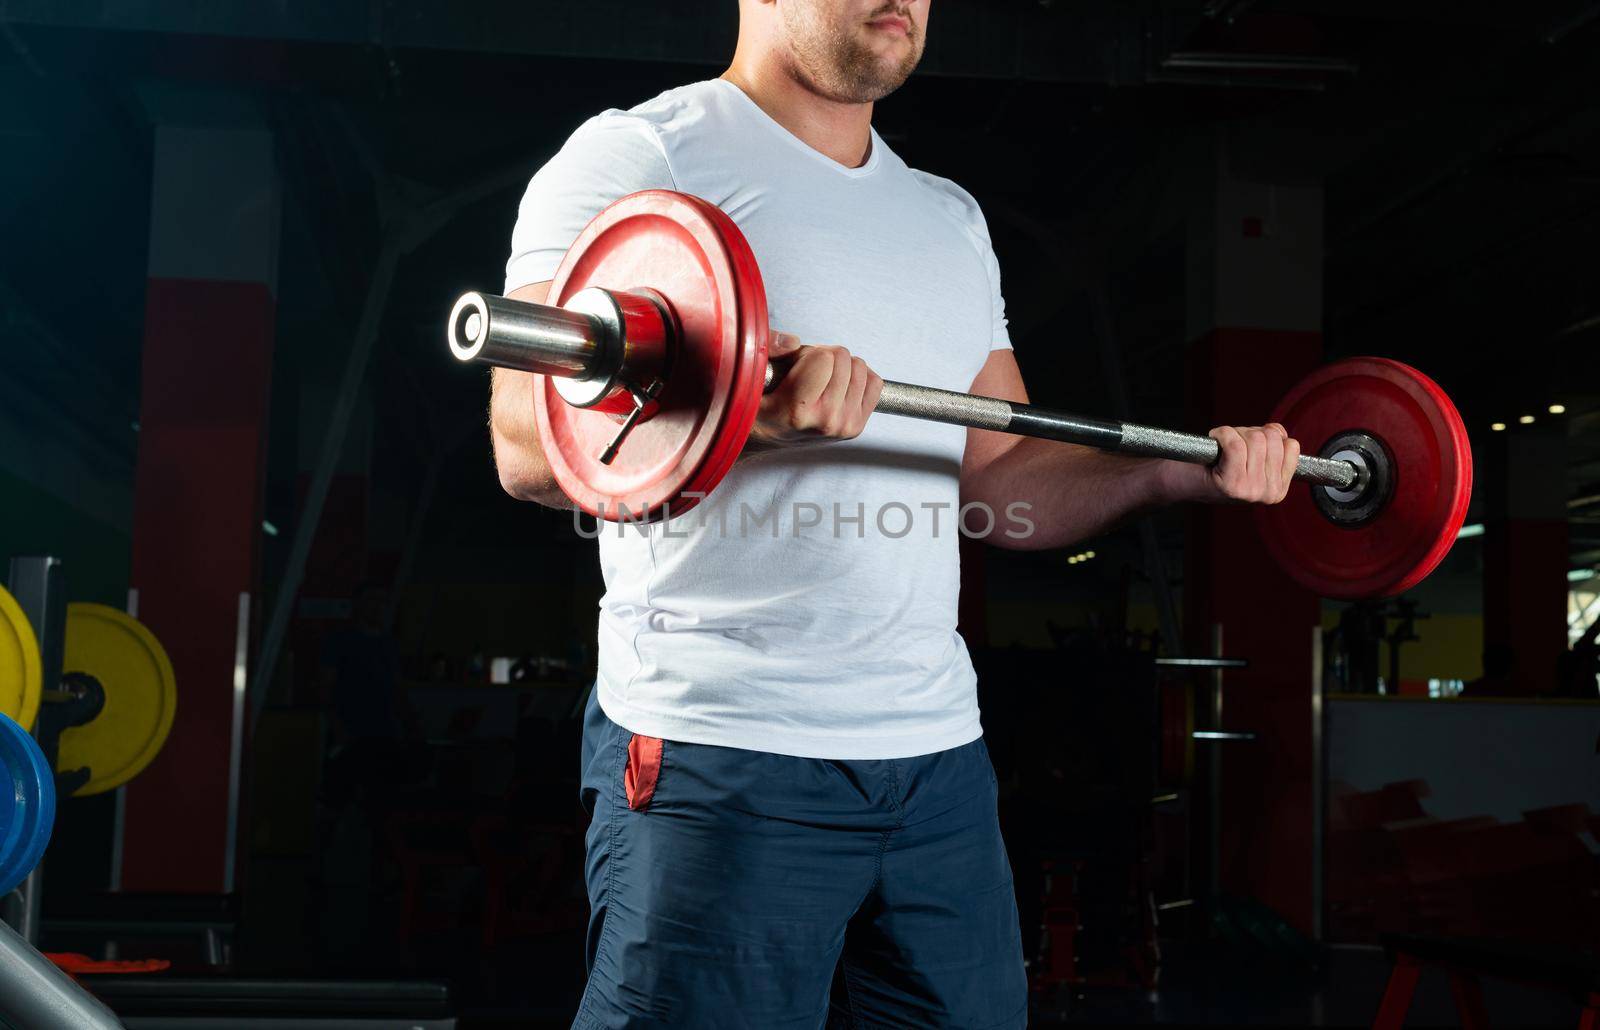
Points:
x=207 y=360
x=1525 y=557
x=1255 y=314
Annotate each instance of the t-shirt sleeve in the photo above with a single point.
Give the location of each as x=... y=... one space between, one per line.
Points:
x=610 y=156
x=964 y=208
x=999 y=334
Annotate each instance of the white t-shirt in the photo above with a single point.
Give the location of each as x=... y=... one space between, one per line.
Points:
x=808 y=606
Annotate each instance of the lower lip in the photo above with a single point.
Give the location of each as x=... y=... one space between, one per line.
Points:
x=890 y=25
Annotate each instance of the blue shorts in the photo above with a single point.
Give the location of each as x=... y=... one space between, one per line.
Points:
x=733 y=888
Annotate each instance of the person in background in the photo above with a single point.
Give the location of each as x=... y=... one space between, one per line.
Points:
x=360 y=681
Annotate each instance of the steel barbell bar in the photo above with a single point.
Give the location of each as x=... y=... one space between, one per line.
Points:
x=589 y=342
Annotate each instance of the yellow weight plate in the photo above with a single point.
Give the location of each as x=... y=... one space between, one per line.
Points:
x=141 y=696
x=21 y=672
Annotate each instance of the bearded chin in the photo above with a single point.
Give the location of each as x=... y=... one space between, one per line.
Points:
x=838 y=67
x=865 y=77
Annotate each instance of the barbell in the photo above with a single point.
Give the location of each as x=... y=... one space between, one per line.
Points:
x=650 y=357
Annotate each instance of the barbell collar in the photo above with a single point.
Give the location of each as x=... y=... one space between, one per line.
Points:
x=542 y=338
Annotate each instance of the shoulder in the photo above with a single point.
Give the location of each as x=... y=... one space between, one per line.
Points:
x=646 y=135
x=611 y=155
x=656 y=119
x=954 y=201
x=674 y=108
x=612 y=134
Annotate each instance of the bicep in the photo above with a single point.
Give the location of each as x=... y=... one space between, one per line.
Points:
x=1000 y=377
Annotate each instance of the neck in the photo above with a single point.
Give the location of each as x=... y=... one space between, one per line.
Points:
x=840 y=131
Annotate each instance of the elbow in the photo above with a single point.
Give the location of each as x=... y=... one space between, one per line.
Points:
x=1019 y=531
x=999 y=518
x=521 y=477
x=514 y=485
x=1009 y=524
x=1029 y=542
x=513 y=479
x=529 y=480
x=524 y=484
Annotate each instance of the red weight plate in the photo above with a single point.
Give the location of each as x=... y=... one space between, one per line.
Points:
x=1397 y=547
x=693 y=255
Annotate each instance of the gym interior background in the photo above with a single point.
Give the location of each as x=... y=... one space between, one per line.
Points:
x=231 y=236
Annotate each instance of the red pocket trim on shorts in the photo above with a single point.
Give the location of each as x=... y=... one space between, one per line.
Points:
x=644 y=769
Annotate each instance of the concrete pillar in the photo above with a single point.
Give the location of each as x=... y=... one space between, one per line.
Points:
x=1255 y=326
x=207 y=361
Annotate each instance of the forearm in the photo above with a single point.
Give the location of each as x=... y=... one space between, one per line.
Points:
x=1072 y=493
x=518 y=455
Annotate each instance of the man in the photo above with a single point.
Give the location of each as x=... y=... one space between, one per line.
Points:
x=793 y=811
x=369 y=762
x=360 y=671
x=360 y=679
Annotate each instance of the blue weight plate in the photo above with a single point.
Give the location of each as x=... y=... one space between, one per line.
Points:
x=26 y=821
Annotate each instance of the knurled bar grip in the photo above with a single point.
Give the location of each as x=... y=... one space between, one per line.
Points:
x=554 y=341
x=964 y=409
